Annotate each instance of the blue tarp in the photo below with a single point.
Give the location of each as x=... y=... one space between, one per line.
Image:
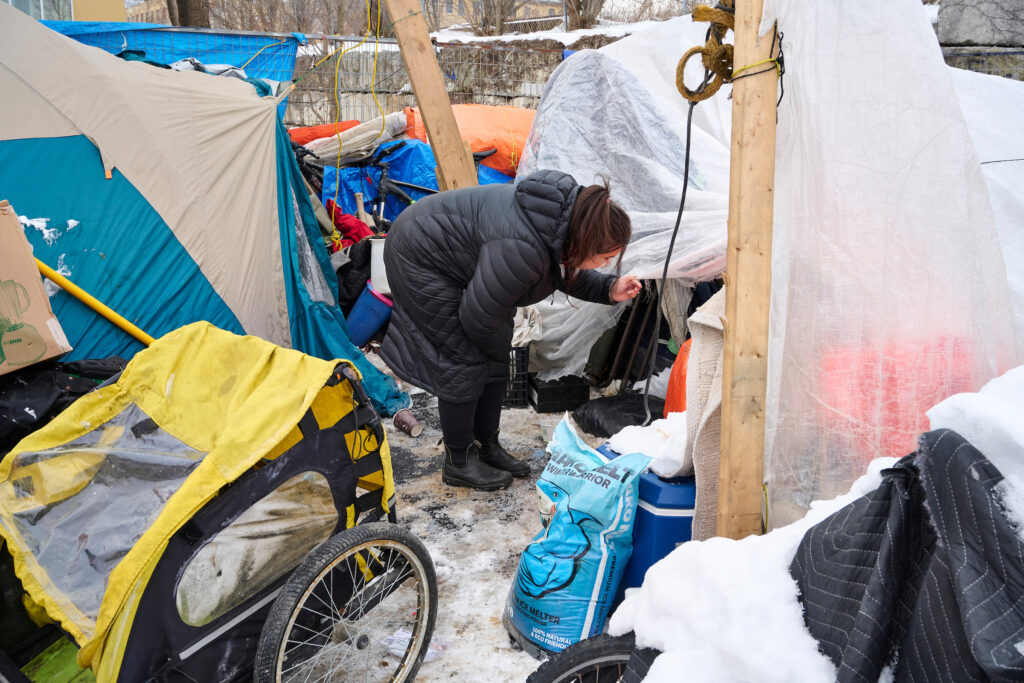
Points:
x=413 y=163
x=167 y=44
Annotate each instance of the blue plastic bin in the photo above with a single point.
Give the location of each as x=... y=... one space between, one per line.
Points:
x=371 y=311
x=664 y=520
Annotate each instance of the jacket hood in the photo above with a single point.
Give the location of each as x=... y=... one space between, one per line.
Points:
x=547 y=199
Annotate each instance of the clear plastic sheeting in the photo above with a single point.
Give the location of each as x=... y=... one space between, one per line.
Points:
x=888 y=290
x=614 y=113
x=266 y=541
x=83 y=505
x=309 y=269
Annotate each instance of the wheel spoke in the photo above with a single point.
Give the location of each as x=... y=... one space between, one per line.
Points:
x=378 y=591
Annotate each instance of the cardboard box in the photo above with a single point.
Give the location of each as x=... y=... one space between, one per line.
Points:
x=29 y=332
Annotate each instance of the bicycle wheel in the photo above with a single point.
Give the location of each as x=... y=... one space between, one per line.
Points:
x=360 y=607
x=598 y=659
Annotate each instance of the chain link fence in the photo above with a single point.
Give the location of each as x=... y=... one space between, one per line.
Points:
x=371 y=78
x=1005 y=62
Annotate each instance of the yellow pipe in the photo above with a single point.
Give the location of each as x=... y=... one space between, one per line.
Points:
x=90 y=301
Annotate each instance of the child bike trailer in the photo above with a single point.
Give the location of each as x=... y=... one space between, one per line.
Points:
x=215 y=515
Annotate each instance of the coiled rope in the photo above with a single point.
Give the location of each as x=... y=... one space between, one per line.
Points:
x=715 y=55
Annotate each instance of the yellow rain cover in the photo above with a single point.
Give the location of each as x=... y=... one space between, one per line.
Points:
x=89 y=502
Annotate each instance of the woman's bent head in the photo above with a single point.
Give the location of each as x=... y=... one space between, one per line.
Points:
x=599 y=231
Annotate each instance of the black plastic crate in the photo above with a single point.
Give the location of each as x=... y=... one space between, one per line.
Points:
x=564 y=393
x=516 y=394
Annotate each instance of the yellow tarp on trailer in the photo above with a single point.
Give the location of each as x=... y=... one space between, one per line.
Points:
x=88 y=503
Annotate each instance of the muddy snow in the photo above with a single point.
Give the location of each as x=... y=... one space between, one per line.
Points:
x=474 y=538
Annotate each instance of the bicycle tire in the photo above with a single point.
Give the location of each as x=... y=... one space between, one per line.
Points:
x=598 y=659
x=372 y=563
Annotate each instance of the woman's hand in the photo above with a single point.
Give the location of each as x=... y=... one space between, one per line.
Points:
x=625 y=288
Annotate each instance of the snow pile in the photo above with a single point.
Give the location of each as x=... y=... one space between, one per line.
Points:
x=663 y=440
x=992 y=420
x=725 y=610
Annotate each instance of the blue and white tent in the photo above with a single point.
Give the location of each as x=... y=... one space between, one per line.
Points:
x=170 y=196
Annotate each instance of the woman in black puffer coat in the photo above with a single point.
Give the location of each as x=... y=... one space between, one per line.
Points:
x=459 y=264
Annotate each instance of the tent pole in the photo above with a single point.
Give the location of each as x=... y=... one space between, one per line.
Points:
x=748 y=278
x=455 y=167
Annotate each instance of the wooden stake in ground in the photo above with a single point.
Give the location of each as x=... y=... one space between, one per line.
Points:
x=454 y=167
x=748 y=277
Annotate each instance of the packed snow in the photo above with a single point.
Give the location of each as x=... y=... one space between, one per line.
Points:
x=725 y=610
x=992 y=420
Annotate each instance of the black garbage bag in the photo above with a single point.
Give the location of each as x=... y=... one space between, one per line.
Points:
x=31 y=397
x=608 y=415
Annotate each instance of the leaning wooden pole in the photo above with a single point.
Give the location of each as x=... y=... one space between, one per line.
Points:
x=748 y=277
x=454 y=166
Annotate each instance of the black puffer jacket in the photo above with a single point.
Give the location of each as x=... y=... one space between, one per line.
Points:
x=459 y=263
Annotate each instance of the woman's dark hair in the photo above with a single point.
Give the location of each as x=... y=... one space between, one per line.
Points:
x=598 y=226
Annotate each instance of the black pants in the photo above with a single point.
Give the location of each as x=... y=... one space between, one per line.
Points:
x=461 y=423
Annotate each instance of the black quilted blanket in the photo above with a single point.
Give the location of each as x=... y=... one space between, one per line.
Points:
x=925 y=574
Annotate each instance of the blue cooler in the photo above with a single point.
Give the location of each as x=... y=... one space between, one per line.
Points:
x=664 y=519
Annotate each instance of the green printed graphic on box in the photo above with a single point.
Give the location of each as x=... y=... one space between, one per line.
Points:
x=20 y=343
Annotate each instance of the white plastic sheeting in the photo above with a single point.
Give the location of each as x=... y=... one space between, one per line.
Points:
x=994 y=110
x=888 y=290
x=627 y=126
x=888 y=293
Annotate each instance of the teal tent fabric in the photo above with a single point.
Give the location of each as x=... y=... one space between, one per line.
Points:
x=318 y=327
x=107 y=239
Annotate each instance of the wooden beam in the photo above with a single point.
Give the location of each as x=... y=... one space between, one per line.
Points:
x=454 y=168
x=748 y=278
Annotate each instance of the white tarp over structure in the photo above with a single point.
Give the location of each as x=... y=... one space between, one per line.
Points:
x=888 y=291
x=888 y=286
x=628 y=126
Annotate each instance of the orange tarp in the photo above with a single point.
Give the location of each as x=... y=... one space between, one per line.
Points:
x=301 y=136
x=484 y=127
x=675 y=398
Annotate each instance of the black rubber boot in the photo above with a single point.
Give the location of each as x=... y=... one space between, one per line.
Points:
x=466 y=469
x=492 y=453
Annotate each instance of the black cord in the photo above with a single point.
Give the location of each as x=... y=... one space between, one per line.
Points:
x=999 y=161
x=668 y=259
x=780 y=65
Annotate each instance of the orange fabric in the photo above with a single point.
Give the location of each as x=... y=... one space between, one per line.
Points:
x=301 y=136
x=484 y=127
x=675 y=399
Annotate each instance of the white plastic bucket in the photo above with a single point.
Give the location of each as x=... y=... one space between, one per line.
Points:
x=378 y=277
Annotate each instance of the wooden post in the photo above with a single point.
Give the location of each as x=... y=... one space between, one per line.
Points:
x=454 y=168
x=748 y=279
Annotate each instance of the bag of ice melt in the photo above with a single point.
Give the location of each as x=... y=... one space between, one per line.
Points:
x=568 y=575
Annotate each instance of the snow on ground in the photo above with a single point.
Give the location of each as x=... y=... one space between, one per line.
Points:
x=475 y=539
